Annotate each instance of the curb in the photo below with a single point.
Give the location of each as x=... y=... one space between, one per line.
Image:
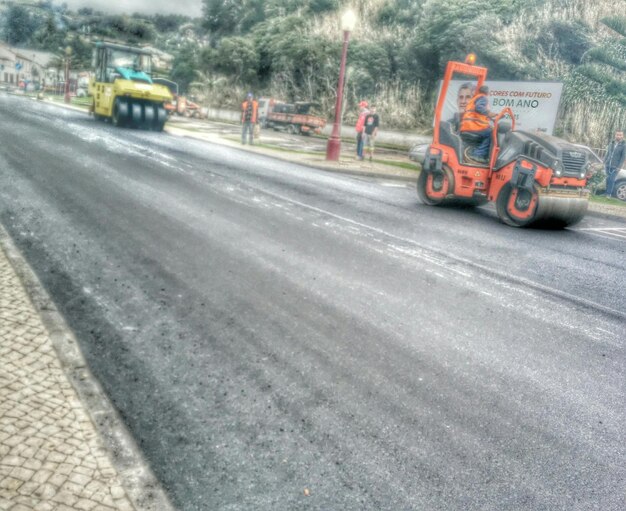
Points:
x=142 y=487
x=606 y=215
x=339 y=170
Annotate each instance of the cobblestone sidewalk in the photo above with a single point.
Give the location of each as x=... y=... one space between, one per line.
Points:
x=51 y=457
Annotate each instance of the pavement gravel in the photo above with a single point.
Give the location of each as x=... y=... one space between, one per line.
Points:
x=51 y=456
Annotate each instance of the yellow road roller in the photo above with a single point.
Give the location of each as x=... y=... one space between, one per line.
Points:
x=122 y=88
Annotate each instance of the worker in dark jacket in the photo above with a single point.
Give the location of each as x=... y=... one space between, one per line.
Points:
x=615 y=155
x=476 y=121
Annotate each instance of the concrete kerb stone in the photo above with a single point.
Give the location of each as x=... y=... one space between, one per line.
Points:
x=140 y=484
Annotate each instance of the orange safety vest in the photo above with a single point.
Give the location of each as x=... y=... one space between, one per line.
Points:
x=360 y=122
x=472 y=120
x=244 y=107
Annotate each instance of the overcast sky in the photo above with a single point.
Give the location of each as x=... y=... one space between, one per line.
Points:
x=187 y=7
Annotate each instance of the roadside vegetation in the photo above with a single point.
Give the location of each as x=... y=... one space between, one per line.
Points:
x=290 y=49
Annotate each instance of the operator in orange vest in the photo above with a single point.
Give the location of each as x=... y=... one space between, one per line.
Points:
x=476 y=121
x=249 y=110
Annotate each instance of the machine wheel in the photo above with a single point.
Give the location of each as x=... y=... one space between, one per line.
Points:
x=120 y=113
x=148 y=116
x=432 y=188
x=292 y=129
x=136 y=115
x=517 y=207
x=620 y=190
x=160 y=118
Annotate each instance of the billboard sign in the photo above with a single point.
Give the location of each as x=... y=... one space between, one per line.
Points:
x=534 y=104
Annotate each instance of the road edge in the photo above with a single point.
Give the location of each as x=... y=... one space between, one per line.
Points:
x=141 y=485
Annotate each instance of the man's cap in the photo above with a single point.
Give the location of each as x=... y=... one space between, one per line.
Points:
x=363 y=104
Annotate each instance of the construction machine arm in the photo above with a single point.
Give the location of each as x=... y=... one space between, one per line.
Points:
x=480 y=73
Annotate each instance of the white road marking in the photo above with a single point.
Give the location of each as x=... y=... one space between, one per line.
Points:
x=622 y=229
x=424 y=253
x=613 y=233
x=603 y=330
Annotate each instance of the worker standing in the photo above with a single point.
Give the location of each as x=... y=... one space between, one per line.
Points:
x=615 y=156
x=370 y=130
x=360 y=125
x=249 y=110
x=475 y=120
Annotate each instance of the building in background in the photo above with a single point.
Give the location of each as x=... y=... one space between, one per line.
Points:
x=21 y=65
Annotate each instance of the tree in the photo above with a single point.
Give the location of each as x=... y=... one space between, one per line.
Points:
x=124 y=27
x=184 y=68
x=399 y=13
x=304 y=62
x=605 y=64
x=221 y=17
x=451 y=30
x=565 y=40
x=228 y=17
x=320 y=6
x=168 y=23
x=236 y=57
x=19 y=25
x=281 y=8
x=370 y=63
x=81 y=52
x=49 y=37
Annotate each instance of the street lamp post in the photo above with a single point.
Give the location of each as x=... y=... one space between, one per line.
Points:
x=68 y=54
x=333 y=148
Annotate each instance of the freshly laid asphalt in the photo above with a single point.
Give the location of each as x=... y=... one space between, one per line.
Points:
x=277 y=337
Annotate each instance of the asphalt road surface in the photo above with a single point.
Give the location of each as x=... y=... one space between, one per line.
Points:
x=266 y=328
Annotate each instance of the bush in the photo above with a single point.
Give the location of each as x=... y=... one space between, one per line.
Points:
x=570 y=39
x=617 y=23
x=236 y=57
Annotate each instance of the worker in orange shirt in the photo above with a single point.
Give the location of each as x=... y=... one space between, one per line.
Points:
x=249 y=110
x=360 y=126
x=476 y=120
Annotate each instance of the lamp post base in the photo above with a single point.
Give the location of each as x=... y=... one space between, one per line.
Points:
x=333 y=148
